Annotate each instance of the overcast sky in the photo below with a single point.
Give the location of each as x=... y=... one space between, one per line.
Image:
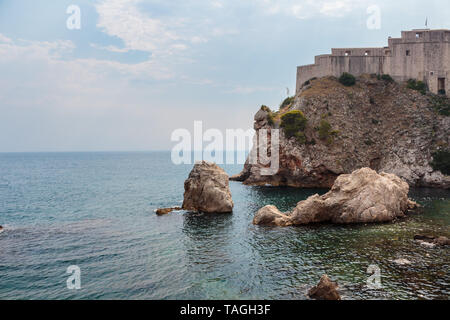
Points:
x=138 y=69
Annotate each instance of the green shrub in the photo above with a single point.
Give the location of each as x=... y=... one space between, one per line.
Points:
x=265 y=108
x=324 y=129
x=287 y=102
x=441 y=104
x=293 y=124
x=347 y=79
x=417 y=85
x=300 y=136
x=270 y=115
x=387 y=78
x=441 y=161
x=270 y=119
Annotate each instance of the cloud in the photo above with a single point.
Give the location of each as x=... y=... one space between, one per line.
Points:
x=307 y=9
x=5 y=39
x=161 y=37
x=41 y=67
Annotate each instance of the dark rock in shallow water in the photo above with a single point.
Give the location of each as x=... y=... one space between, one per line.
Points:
x=424 y=238
x=325 y=290
x=442 y=241
x=164 y=211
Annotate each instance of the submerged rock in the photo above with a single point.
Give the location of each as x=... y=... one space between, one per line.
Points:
x=402 y=261
x=207 y=189
x=442 y=241
x=361 y=197
x=325 y=290
x=431 y=241
x=163 y=211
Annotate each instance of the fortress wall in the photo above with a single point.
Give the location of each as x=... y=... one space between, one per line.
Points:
x=357 y=51
x=356 y=65
x=404 y=67
x=419 y=54
x=336 y=65
x=321 y=68
x=436 y=63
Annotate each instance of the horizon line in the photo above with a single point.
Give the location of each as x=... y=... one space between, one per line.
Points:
x=114 y=151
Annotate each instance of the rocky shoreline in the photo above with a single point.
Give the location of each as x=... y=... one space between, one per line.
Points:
x=361 y=197
x=377 y=124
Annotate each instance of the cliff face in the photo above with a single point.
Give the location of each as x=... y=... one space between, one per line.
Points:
x=377 y=124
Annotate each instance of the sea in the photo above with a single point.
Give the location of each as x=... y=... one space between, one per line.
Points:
x=94 y=212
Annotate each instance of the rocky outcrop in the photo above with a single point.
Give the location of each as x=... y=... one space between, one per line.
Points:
x=325 y=290
x=163 y=211
x=270 y=215
x=377 y=124
x=361 y=197
x=207 y=189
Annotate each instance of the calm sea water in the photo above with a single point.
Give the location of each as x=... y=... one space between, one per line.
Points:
x=96 y=211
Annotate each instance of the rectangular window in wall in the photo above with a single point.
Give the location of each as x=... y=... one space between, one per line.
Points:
x=408 y=52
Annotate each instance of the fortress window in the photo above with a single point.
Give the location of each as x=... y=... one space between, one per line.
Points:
x=408 y=52
x=418 y=35
x=387 y=52
x=348 y=53
x=367 y=53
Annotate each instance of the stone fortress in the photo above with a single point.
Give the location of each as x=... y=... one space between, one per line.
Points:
x=420 y=54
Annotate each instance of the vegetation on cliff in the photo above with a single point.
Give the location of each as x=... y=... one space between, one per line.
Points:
x=325 y=131
x=441 y=161
x=386 y=78
x=347 y=79
x=441 y=104
x=378 y=123
x=417 y=85
x=294 y=124
x=287 y=103
x=270 y=115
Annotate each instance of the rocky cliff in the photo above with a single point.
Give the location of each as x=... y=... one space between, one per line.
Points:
x=376 y=123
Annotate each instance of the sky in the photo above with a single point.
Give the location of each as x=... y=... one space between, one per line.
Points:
x=136 y=70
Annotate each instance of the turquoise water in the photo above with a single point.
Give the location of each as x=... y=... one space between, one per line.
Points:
x=96 y=210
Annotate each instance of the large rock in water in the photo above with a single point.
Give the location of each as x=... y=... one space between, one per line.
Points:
x=361 y=197
x=207 y=189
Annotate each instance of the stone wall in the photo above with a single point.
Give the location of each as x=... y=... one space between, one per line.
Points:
x=418 y=54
